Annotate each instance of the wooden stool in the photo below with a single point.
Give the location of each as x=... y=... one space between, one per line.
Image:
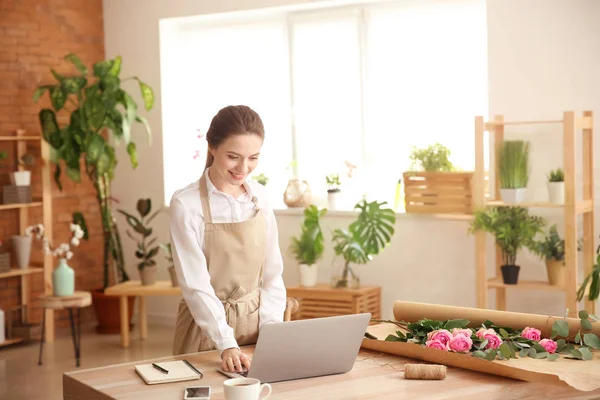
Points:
x=78 y=300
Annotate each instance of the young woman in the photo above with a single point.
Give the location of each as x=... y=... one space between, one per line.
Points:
x=225 y=246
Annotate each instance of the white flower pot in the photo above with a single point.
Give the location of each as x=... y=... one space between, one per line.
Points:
x=308 y=275
x=333 y=199
x=20 y=178
x=513 y=196
x=556 y=192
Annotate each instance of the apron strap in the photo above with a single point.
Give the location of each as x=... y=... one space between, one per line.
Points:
x=231 y=304
x=254 y=198
x=205 y=200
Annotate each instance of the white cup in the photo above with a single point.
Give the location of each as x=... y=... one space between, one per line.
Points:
x=244 y=389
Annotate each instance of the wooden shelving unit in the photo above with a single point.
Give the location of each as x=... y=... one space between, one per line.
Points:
x=571 y=209
x=20 y=140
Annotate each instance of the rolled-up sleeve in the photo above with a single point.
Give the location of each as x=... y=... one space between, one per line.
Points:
x=207 y=310
x=272 y=291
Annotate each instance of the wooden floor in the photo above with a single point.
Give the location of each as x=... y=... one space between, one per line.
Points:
x=22 y=378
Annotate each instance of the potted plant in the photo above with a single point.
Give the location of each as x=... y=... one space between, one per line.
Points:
x=513 y=229
x=552 y=250
x=23 y=178
x=366 y=237
x=100 y=115
x=145 y=253
x=514 y=169
x=262 y=179
x=556 y=186
x=592 y=280
x=333 y=190
x=433 y=158
x=308 y=248
x=169 y=257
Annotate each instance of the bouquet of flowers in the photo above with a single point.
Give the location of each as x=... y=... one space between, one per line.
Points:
x=492 y=342
x=64 y=249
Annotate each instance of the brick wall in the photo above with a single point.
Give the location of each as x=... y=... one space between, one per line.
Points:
x=35 y=35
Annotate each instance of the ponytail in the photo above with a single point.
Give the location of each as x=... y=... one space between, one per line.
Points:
x=209 y=159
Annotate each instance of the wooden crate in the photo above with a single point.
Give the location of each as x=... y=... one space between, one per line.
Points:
x=438 y=192
x=324 y=301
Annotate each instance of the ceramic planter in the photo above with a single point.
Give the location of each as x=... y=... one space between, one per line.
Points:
x=556 y=272
x=510 y=274
x=333 y=196
x=63 y=279
x=22 y=247
x=173 y=275
x=20 y=178
x=556 y=192
x=513 y=196
x=308 y=275
x=148 y=275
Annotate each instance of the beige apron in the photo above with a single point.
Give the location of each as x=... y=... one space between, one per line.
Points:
x=235 y=256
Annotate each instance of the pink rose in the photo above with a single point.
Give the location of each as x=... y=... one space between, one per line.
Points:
x=491 y=336
x=436 y=344
x=548 y=344
x=461 y=343
x=459 y=331
x=441 y=335
x=531 y=333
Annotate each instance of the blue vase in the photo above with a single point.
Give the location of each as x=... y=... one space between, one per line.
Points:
x=63 y=279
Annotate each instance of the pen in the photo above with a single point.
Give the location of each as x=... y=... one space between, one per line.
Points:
x=161 y=369
x=194 y=368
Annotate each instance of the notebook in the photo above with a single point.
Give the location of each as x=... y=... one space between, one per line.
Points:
x=178 y=371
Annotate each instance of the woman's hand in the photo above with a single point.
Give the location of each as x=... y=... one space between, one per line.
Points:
x=234 y=360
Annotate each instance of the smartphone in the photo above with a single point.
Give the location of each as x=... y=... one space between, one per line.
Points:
x=197 y=393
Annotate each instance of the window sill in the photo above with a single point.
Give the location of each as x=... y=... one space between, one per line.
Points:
x=351 y=214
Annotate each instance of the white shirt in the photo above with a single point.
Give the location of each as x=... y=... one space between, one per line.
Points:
x=187 y=245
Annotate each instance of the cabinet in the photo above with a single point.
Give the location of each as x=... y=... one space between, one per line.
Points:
x=19 y=140
x=574 y=206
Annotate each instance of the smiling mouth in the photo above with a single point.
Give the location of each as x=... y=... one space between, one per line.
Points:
x=237 y=177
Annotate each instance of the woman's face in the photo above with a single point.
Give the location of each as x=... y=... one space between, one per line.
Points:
x=236 y=158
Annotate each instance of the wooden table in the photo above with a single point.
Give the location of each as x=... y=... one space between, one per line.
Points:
x=77 y=300
x=136 y=289
x=371 y=378
x=324 y=301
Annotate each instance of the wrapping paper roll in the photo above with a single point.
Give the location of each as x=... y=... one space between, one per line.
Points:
x=412 y=312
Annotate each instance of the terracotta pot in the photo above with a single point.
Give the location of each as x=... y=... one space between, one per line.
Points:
x=556 y=272
x=107 y=312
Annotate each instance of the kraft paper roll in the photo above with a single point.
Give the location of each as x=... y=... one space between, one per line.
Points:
x=412 y=312
x=424 y=371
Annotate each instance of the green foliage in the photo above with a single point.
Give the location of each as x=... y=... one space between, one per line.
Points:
x=333 y=182
x=433 y=158
x=308 y=248
x=144 y=252
x=262 y=179
x=552 y=247
x=512 y=227
x=167 y=249
x=556 y=175
x=27 y=160
x=97 y=103
x=593 y=280
x=513 y=164
x=366 y=237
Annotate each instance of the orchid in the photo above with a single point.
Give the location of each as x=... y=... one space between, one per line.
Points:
x=63 y=250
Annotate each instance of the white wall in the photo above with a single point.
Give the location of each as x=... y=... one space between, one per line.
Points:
x=543 y=57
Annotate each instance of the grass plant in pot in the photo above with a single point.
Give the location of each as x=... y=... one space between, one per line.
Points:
x=513 y=229
x=366 y=237
x=556 y=186
x=514 y=169
x=145 y=251
x=308 y=248
x=552 y=250
x=97 y=115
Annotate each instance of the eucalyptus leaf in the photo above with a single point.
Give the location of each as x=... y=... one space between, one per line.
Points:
x=553 y=357
x=586 y=324
x=505 y=350
x=583 y=314
x=562 y=327
x=504 y=334
x=593 y=317
x=586 y=354
x=578 y=337
x=523 y=353
x=480 y=354
x=592 y=341
x=541 y=355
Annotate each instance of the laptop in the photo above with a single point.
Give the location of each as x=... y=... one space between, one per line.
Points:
x=306 y=348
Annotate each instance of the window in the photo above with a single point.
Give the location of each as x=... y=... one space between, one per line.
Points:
x=361 y=84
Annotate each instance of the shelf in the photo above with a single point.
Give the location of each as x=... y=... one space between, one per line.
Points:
x=580 y=123
x=8 y=342
x=18 y=138
x=19 y=272
x=495 y=283
x=15 y=206
x=582 y=207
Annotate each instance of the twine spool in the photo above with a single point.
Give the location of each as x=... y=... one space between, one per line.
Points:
x=425 y=371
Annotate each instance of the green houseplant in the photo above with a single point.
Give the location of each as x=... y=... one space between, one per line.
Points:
x=308 y=248
x=552 y=249
x=433 y=158
x=333 y=190
x=556 y=186
x=592 y=280
x=145 y=251
x=366 y=237
x=166 y=246
x=514 y=169
x=513 y=229
x=99 y=114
